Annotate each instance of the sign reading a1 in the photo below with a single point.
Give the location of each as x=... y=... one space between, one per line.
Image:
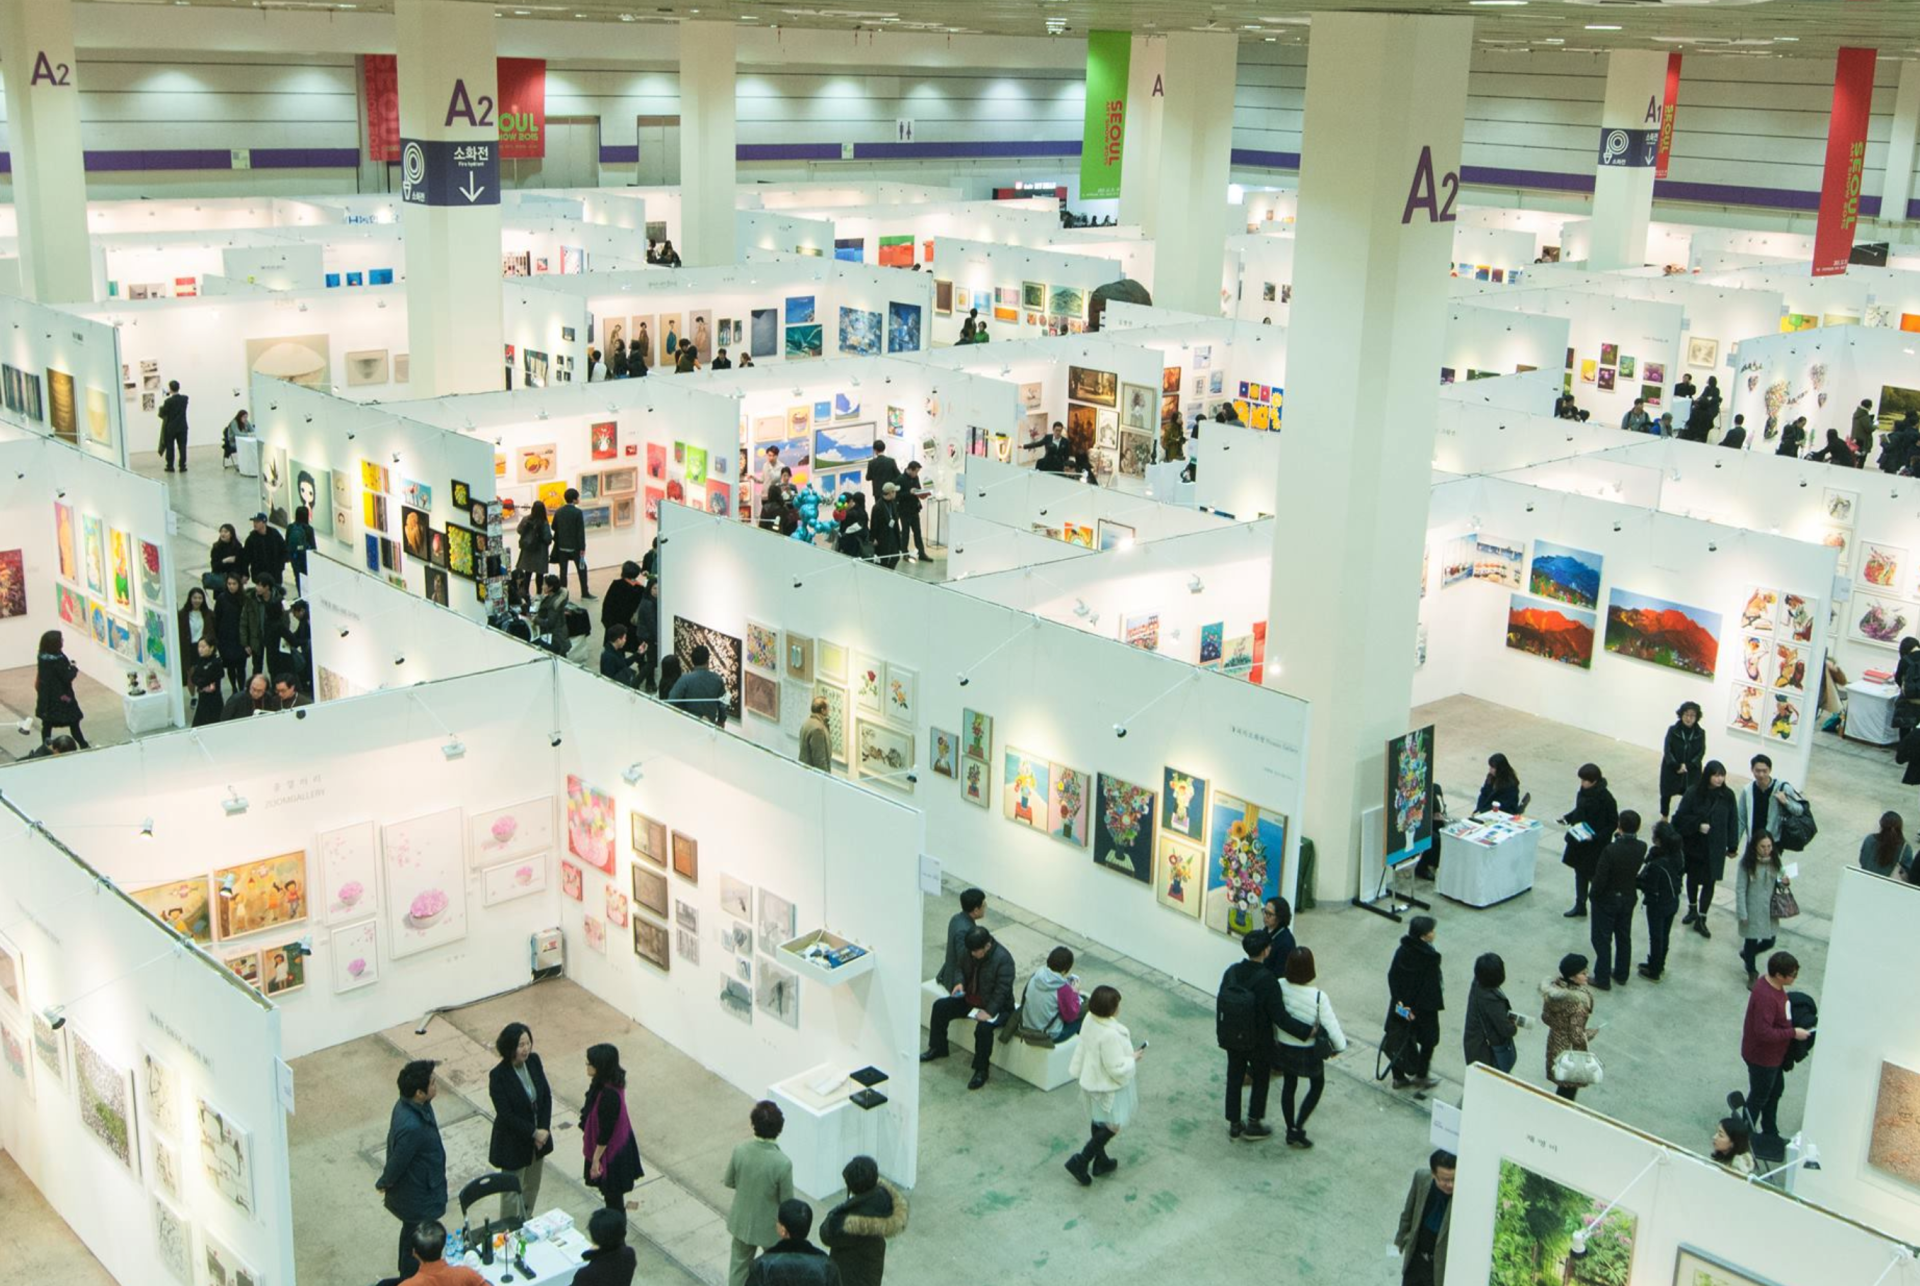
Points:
x=445 y=173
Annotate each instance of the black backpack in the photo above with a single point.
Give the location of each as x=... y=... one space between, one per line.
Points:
x=1237 y=1022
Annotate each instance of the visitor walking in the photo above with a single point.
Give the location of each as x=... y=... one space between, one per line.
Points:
x=606 y=1131
x=1566 y=1006
x=1491 y=1023
x=1414 y=983
x=1754 y=883
x=173 y=426
x=1305 y=1057
x=1861 y=435
x=1424 y=1220
x=887 y=545
x=265 y=551
x=760 y=1176
x=1245 y=1010
x=1590 y=825
x=1615 y=879
x=793 y=1260
x=1680 y=757
x=1767 y=801
x=522 y=1100
x=1661 y=880
x=570 y=540
x=413 y=1184
x=1708 y=821
x=1766 y=1037
x=55 y=704
x=908 y=503
x=229 y=607
x=227 y=556
x=550 y=617
x=1106 y=1063
x=536 y=539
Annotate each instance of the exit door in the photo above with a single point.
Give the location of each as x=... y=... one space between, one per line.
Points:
x=659 y=139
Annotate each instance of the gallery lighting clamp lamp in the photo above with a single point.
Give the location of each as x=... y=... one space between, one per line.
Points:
x=454 y=747
x=1120 y=729
x=965 y=675
x=1580 y=1237
x=55 y=1016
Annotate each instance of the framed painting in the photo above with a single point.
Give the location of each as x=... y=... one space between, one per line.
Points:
x=760 y=695
x=1696 y=1268
x=224 y=1268
x=1551 y=630
x=169 y=1175
x=1025 y=789
x=884 y=754
x=1534 y=1220
x=777 y=921
x=173 y=1241
x=1123 y=827
x=537 y=463
x=736 y=897
x=13 y=1052
x=226 y=1157
x=1893 y=1140
x=651 y=943
x=594 y=929
x=514 y=831
x=514 y=878
x=267 y=894
x=1246 y=849
x=425 y=860
x=1785 y=712
x=943 y=752
x=1745 y=708
x=103 y=1091
x=686 y=858
x=183 y=906
x=1880 y=621
x=50 y=1050
x=354 y=951
x=1177 y=875
x=1670 y=634
x=1068 y=794
x=869 y=681
x=589 y=824
x=573 y=881
x=1101 y=388
x=649 y=838
x=1880 y=565
x=763 y=647
x=649 y=893
x=1565 y=574
x=830 y=661
x=1796 y=617
x=776 y=992
x=1757 y=613
x=163 y=1097
x=901 y=696
x=1183 y=804
x=13 y=977
x=616 y=901
x=799 y=656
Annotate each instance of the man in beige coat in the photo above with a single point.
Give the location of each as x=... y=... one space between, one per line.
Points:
x=761 y=1177
x=1424 y=1222
x=815 y=742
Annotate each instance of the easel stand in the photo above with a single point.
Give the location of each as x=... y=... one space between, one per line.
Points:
x=1390 y=897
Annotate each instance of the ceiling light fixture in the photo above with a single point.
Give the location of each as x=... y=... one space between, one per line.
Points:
x=1602 y=26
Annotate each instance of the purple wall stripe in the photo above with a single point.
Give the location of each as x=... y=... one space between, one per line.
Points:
x=618 y=154
x=959 y=151
x=787 y=152
x=1487 y=176
x=160 y=159
x=305 y=158
x=1266 y=160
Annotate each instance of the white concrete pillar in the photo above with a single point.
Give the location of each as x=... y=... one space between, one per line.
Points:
x=1140 y=151
x=450 y=194
x=1379 y=181
x=1896 y=190
x=1628 y=145
x=43 y=141
x=707 y=158
x=1188 y=200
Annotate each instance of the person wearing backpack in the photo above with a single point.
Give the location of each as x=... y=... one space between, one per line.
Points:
x=1660 y=881
x=1244 y=1013
x=1766 y=803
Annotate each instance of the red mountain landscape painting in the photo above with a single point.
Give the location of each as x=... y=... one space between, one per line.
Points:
x=1652 y=629
x=1553 y=630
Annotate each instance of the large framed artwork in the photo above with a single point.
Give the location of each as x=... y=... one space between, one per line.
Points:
x=1534 y=1220
x=1099 y=387
x=356 y=956
x=724 y=651
x=1246 y=850
x=267 y=894
x=1025 y=788
x=1183 y=804
x=518 y=830
x=1177 y=875
x=1409 y=816
x=226 y=1157
x=1067 y=797
x=1123 y=827
x=1670 y=634
x=1880 y=621
x=1893 y=1144
x=349 y=865
x=883 y=754
x=103 y=1091
x=589 y=824
x=183 y=906
x=426 y=867
x=1551 y=630
x=1565 y=574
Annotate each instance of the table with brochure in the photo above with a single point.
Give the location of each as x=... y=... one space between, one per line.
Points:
x=553 y=1254
x=1487 y=858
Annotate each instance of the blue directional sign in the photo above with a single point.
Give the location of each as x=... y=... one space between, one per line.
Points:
x=1629 y=149
x=444 y=173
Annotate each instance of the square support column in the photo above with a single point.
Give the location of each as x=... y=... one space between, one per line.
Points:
x=1896 y=188
x=1140 y=151
x=1628 y=145
x=1379 y=181
x=707 y=158
x=1188 y=201
x=43 y=141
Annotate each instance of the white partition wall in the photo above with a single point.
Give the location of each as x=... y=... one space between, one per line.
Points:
x=1484 y=341
x=1052 y=695
x=1609 y=336
x=1023 y=498
x=1019 y=291
x=1824 y=374
x=1526 y=1155
x=367 y=637
x=60 y=377
x=1236 y=469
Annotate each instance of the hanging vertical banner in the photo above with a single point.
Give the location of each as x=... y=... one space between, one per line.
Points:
x=520 y=113
x=1846 y=158
x=523 y=108
x=1669 y=110
x=1108 y=55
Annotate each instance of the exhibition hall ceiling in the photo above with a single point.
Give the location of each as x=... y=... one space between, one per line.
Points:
x=1759 y=27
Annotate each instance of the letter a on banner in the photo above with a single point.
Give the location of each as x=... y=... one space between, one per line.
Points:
x=1109 y=55
x=1846 y=159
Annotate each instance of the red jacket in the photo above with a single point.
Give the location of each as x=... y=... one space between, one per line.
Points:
x=1768 y=1033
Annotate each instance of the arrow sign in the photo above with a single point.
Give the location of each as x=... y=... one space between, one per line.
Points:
x=438 y=172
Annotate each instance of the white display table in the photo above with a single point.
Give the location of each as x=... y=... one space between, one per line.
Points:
x=1479 y=872
x=246 y=454
x=148 y=712
x=1870 y=712
x=553 y=1263
x=824 y=1131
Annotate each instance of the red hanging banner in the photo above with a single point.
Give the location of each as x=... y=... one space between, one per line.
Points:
x=521 y=112
x=1668 y=112
x=1846 y=158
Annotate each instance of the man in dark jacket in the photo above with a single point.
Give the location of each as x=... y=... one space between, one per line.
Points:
x=265 y=550
x=251 y=700
x=611 y=1262
x=973 y=908
x=622 y=600
x=908 y=505
x=793 y=1260
x=1414 y=984
x=646 y=633
x=889 y=542
x=1245 y=1009
x=986 y=989
x=1593 y=807
x=1053 y=449
x=261 y=617
x=1424 y=1223
x=173 y=426
x=881 y=470
x=1736 y=437
x=294 y=650
x=857 y=1230
x=1661 y=880
x=1614 y=881
x=615 y=664
x=1896 y=448
x=570 y=540
x=414 y=1183
x=700 y=691
x=1862 y=430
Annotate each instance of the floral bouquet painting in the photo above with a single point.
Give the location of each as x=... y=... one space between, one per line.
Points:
x=1244 y=856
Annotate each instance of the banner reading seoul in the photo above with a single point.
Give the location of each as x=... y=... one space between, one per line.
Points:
x=1846 y=157
x=1109 y=54
x=520 y=113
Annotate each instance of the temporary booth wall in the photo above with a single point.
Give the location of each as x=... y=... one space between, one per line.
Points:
x=1052 y=692
x=1236 y=470
x=134 y=997
x=367 y=637
x=1264 y=285
x=1867 y=1060
x=1824 y=375
x=1602 y=325
x=1671 y=1203
x=1126 y=245
x=1497 y=340
x=986 y=270
x=1529 y=391
x=1864 y=294
x=41 y=341
x=1479 y=248
x=769 y=234
x=365 y=444
x=1473 y=437
x=1021 y=498
x=979 y=546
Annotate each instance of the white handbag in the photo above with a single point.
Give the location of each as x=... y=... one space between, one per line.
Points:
x=1577 y=1067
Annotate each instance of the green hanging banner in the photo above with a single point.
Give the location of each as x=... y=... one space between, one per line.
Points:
x=1108 y=56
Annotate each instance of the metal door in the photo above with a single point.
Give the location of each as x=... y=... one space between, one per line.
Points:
x=659 y=140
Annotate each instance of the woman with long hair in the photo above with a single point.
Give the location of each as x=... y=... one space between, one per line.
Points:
x=606 y=1131
x=1753 y=885
x=1733 y=1145
x=196 y=623
x=1501 y=789
x=1886 y=852
x=1708 y=819
x=55 y=704
x=536 y=544
x=1299 y=1058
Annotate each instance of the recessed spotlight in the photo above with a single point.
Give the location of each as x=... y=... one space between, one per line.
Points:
x=1497 y=4
x=1602 y=26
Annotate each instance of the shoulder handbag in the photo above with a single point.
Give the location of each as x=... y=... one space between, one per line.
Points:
x=1579 y=1068
x=1798 y=829
x=1783 y=905
x=1322 y=1043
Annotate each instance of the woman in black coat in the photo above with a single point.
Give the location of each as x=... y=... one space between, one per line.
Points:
x=1594 y=806
x=606 y=1132
x=1680 y=758
x=1491 y=1022
x=1708 y=820
x=522 y=1113
x=54 y=704
x=1413 y=980
x=1660 y=882
x=229 y=605
x=1501 y=789
x=227 y=555
x=205 y=674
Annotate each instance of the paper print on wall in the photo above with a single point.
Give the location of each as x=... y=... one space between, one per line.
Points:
x=1745 y=708
x=650 y=943
x=347 y=861
x=183 y=906
x=686 y=858
x=837 y=717
x=267 y=894
x=1178 y=875
x=1702 y=351
x=1880 y=565
x=354 y=951
x=1785 y=711
x=1565 y=574
x=226 y=1157
x=95 y=552
x=776 y=992
x=163 y=1099
x=1123 y=827
x=589 y=824
x=1790 y=663
x=1893 y=1142
x=900 y=698
x=572 y=881
x=1534 y=1222
x=1652 y=629
x=1841 y=506
x=66 y=542
x=514 y=878
x=1880 y=621
x=224 y=1268
x=595 y=930
x=777 y=921
x=1695 y=1268
x=760 y=695
x=514 y=831
x=1025 y=789
x=883 y=754
x=763 y=647
x=173 y=1241
x=1757 y=609
x=537 y=463
x=1183 y=804
x=426 y=882
x=50 y=1050
x=104 y=1092
x=1796 y=617
x=13 y=1052
x=1552 y=630
x=1067 y=799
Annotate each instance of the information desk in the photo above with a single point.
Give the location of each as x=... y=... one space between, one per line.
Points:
x=553 y=1262
x=1870 y=712
x=825 y=1129
x=1487 y=859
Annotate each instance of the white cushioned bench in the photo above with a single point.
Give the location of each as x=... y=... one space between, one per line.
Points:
x=1044 y=1067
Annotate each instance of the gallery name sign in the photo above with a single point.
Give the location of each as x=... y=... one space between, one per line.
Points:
x=1288 y=769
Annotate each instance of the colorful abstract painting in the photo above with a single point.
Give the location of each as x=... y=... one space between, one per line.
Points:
x=1178 y=875
x=104 y=1092
x=1067 y=800
x=268 y=894
x=1246 y=850
x=1025 y=789
x=1565 y=574
x=589 y=824
x=1124 y=827
x=1670 y=634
